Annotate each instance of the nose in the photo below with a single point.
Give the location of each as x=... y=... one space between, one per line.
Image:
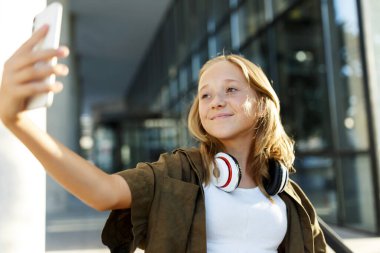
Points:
x=218 y=101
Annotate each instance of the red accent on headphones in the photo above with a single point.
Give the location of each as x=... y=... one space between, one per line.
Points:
x=229 y=171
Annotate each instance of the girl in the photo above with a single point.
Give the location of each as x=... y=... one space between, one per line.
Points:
x=229 y=195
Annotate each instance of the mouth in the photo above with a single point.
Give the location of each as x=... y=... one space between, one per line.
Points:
x=221 y=116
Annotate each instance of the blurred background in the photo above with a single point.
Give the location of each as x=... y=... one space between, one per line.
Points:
x=133 y=74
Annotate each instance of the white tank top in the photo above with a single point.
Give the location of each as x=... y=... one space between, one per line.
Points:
x=243 y=221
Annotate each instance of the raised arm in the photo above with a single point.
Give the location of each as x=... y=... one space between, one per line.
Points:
x=20 y=81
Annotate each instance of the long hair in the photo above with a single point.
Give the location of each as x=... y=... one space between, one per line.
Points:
x=270 y=139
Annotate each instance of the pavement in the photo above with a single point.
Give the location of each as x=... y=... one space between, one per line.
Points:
x=358 y=242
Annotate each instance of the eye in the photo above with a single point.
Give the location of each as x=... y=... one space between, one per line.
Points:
x=205 y=95
x=231 y=90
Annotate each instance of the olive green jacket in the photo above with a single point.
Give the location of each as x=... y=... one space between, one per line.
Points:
x=168 y=210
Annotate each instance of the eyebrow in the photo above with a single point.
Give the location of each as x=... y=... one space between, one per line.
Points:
x=225 y=80
x=203 y=87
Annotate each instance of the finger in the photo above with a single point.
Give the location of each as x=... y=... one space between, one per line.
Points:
x=35 y=73
x=36 y=37
x=40 y=55
x=37 y=88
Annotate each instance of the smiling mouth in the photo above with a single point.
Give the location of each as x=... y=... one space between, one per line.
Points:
x=221 y=116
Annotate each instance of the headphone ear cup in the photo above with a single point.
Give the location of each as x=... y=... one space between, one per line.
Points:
x=278 y=177
x=229 y=172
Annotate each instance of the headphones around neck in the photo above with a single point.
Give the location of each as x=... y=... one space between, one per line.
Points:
x=228 y=175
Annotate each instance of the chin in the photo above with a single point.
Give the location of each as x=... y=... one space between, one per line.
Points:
x=227 y=134
x=222 y=135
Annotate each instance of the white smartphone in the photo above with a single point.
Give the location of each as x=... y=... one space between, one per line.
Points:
x=52 y=16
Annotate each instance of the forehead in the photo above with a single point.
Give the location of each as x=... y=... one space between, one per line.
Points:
x=222 y=70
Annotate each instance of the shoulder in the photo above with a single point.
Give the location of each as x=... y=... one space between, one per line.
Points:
x=295 y=191
x=179 y=154
x=178 y=163
x=177 y=157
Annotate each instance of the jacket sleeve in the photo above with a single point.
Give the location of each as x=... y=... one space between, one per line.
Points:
x=318 y=237
x=126 y=229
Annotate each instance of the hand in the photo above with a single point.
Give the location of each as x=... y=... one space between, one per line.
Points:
x=22 y=79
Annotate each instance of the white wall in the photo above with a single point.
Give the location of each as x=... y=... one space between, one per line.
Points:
x=22 y=178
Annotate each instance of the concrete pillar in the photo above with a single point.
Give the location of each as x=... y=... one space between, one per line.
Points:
x=63 y=116
x=371 y=19
x=22 y=178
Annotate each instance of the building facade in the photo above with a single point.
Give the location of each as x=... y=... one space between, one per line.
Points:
x=316 y=54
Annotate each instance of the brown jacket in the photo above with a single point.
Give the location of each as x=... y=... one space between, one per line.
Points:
x=168 y=210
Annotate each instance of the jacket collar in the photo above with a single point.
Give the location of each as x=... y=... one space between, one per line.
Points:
x=196 y=161
x=291 y=192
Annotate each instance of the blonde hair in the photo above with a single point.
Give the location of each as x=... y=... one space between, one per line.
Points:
x=270 y=139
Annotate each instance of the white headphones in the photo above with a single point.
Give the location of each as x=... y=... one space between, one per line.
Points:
x=228 y=175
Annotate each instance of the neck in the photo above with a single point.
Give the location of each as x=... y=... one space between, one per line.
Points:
x=239 y=151
x=241 y=154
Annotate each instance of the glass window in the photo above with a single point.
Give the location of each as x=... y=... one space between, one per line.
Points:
x=217 y=9
x=358 y=193
x=130 y=143
x=257 y=52
x=197 y=61
x=145 y=140
x=104 y=148
x=197 y=21
x=281 y=5
x=173 y=84
x=316 y=176
x=301 y=77
x=349 y=83
x=211 y=46
x=223 y=39
x=169 y=41
x=181 y=19
x=195 y=66
x=203 y=54
x=165 y=97
x=184 y=78
x=251 y=16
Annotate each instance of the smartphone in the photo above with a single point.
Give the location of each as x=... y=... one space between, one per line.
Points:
x=52 y=16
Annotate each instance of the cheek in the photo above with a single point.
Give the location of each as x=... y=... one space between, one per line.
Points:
x=248 y=107
x=201 y=110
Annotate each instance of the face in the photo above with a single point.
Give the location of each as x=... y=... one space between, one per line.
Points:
x=226 y=103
